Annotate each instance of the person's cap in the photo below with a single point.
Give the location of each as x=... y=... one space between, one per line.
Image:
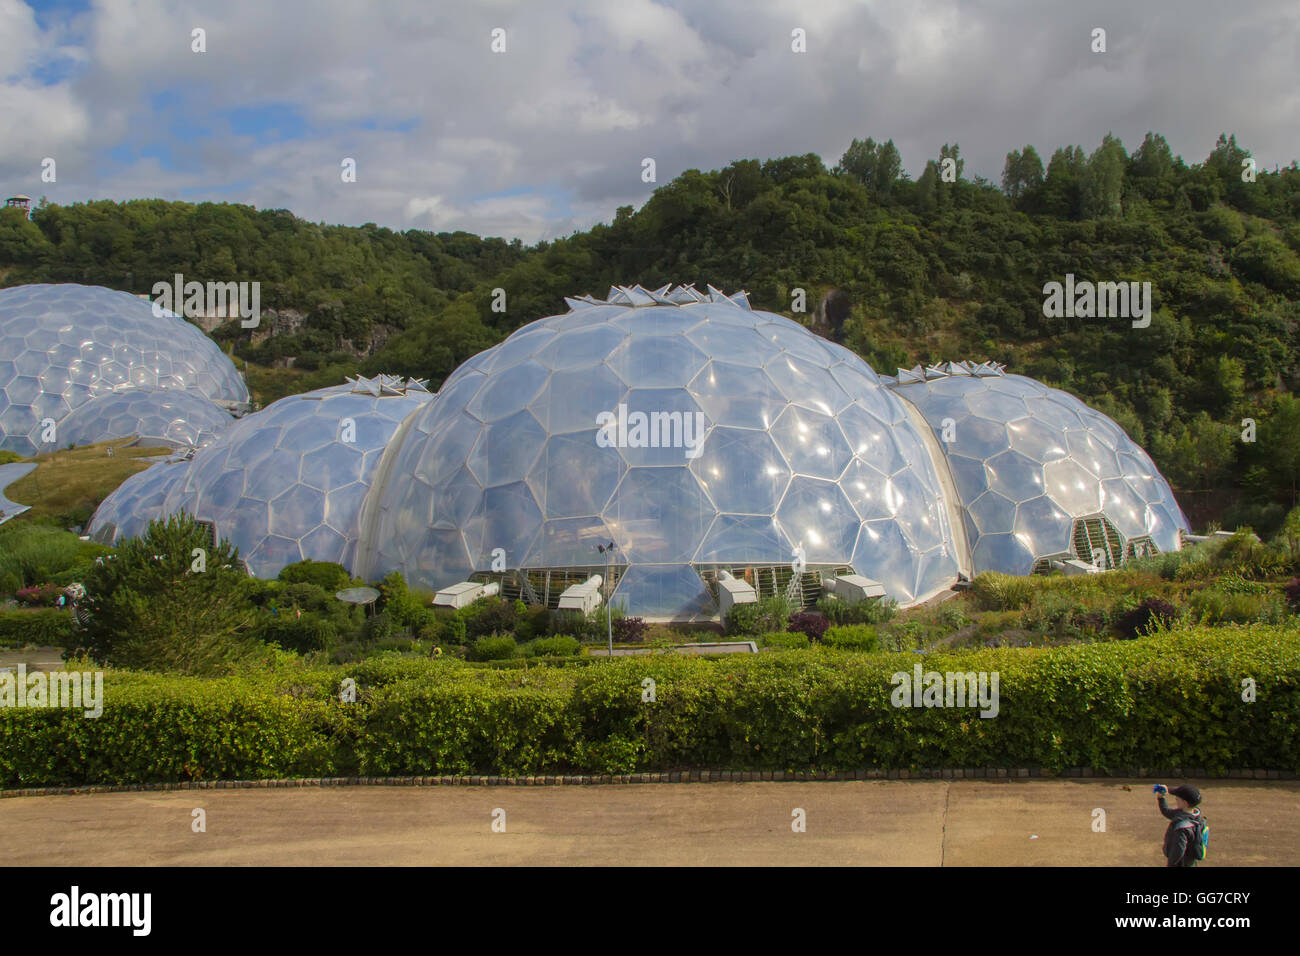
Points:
x=1188 y=793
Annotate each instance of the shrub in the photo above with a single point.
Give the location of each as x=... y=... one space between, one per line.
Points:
x=398 y=602
x=534 y=621
x=378 y=628
x=44 y=627
x=630 y=630
x=742 y=620
x=493 y=647
x=870 y=611
x=326 y=575
x=454 y=631
x=303 y=635
x=1247 y=557
x=1232 y=583
x=32 y=554
x=1151 y=613
x=42 y=595
x=1081 y=706
x=785 y=640
x=853 y=637
x=561 y=645
x=810 y=623
x=1292 y=593
x=490 y=615
x=150 y=610
x=1001 y=592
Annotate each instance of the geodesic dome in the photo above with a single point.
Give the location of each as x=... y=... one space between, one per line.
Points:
x=1040 y=474
x=802 y=448
x=287 y=482
x=126 y=512
x=61 y=345
x=159 y=416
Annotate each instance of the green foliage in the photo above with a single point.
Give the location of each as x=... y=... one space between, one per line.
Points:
x=531 y=622
x=1172 y=700
x=870 y=611
x=561 y=645
x=852 y=637
x=150 y=610
x=379 y=628
x=305 y=635
x=490 y=615
x=767 y=616
x=1148 y=616
x=403 y=606
x=324 y=574
x=1001 y=592
x=42 y=627
x=33 y=554
x=493 y=647
x=786 y=640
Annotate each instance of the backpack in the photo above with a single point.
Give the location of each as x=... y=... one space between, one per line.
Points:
x=1200 y=842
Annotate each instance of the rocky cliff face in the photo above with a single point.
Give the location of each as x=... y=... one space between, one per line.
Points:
x=278 y=322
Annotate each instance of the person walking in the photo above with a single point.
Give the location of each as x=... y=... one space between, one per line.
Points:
x=1187 y=833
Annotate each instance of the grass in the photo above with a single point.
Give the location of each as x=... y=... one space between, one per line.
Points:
x=34 y=553
x=68 y=485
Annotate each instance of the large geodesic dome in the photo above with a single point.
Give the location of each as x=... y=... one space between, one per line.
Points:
x=62 y=345
x=1040 y=474
x=126 y=512
x=701 y=439
x=159 y=416
x=286 y=483
x=763 y=446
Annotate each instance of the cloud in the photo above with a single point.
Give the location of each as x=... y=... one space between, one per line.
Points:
x=549 y=136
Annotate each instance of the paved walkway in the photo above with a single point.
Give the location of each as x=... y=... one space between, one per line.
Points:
x=8 y=475
x=879 y=822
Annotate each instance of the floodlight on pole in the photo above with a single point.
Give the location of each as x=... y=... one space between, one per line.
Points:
x=608 y=552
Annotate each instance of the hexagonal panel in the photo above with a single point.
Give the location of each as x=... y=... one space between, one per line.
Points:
x=742 y=470
x=812 y=443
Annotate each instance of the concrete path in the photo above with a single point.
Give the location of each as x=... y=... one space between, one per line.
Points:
x=37 y=658
x=854 y=823
x=8 y=475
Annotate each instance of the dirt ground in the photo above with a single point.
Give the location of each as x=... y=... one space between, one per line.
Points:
x=853 y=823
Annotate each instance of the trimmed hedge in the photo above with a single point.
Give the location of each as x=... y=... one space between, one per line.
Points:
x=1171 y=700
x=852 y=637
x=44 y=626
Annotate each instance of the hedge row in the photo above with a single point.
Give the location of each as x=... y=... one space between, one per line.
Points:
x=41 y=626
x=1172 y=700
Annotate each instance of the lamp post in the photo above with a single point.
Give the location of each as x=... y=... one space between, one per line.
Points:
x=608 y=551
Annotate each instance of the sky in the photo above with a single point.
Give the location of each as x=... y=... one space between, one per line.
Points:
x=549 y=136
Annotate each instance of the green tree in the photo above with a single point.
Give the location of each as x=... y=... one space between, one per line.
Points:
x=1103 y=182
x=153 y=606
x=874 y=165
x=1279 y=439
x=1022 y=173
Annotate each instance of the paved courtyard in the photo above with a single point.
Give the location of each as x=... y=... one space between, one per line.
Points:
x=879 y=823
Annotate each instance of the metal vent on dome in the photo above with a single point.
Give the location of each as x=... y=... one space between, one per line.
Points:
x=384 y=384
x=948 y=369
x=637 y=295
